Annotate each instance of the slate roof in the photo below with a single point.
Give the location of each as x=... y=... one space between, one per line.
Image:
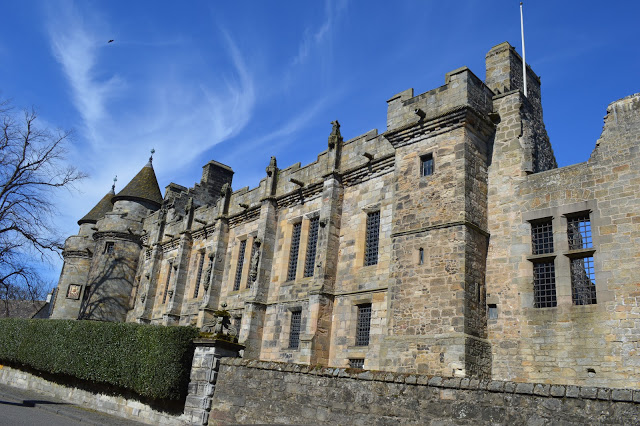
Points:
x=104 y=206
x=144 y=186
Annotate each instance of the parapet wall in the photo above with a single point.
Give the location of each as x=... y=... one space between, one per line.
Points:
x=268 y=392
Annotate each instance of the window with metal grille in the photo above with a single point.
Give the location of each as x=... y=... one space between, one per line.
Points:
x=544 y=285
x=199 y=275
x=373 y=236
x=426 y=165
x=542 y=237
x=583 y=281
x=238 y=278
x=293 y=254
x=579 y=232
x=310 y=260
x=356 y=362
x=166 y=284
x=363 y=326
x=109 y=247
x=294 y=330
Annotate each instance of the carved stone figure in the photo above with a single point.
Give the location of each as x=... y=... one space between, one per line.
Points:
x=207 y=275
x=220 y=325
x=336 y=128
x=255 y=260
x=226 y=188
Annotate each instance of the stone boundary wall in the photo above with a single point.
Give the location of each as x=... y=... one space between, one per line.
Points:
x=250 y=391
x=115 y=405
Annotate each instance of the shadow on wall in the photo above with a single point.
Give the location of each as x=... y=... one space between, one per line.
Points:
x=106 y=297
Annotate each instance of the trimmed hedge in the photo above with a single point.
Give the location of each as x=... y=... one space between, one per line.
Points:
x=152 y=361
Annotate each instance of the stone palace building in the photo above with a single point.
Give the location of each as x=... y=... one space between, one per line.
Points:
x=450 y=244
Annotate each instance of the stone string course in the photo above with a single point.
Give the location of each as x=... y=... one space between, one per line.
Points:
x=250 y=391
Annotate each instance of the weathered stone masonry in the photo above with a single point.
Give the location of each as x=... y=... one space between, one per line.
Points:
x=425 y=228
x=277 y=393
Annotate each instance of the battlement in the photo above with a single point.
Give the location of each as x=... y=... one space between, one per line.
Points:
x=462 y=88
x=504 y=73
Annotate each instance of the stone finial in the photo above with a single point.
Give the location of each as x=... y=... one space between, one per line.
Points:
x=272 y=177
x=272 y=167
x=226 y=189
x=335 y=136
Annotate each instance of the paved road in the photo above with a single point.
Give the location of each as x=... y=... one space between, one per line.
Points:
x=26 y=408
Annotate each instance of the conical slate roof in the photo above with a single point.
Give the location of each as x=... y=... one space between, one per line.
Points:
x=143 y=187
x=104 y=206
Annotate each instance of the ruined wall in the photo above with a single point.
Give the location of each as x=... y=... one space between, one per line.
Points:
x=591 y=344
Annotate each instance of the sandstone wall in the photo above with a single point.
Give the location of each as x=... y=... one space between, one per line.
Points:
x=260 y=392
x=595 y=344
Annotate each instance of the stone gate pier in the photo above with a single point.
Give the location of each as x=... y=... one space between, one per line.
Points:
x=204 y=374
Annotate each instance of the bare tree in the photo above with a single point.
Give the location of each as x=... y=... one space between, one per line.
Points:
x=32 y=171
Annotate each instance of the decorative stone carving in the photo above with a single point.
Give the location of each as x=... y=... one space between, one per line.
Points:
x=226 y=188
x=208 y=272
x=334 y=136
x=220 y=326
x=255 y=259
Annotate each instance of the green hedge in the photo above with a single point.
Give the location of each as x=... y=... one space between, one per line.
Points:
x=152 y=361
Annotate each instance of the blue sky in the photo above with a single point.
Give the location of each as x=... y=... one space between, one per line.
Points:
x=240 y=81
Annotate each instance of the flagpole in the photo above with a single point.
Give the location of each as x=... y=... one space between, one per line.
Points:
x=524 y=61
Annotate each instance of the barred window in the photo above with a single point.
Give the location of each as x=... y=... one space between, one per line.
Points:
x=109 y=247
x=166 y=284
x=542 y=237
x=426 y=165
x=579 y=232
x=363 y=326
x=373 y=236
x=356 y=362
x=238 y=278
x=583 y=281
x=294 y=330
x=199 y=275
x=544 y=285
x=293 y=255
x=310 y=260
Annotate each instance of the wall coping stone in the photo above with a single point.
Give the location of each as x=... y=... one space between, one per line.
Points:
x=466 y=383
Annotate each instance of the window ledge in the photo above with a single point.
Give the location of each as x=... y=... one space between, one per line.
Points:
x=535 y=258
x=574 y=254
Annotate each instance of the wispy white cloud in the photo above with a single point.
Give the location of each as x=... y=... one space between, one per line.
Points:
x=123 y=114
x=283 y=133
x=76 y=49
x=316 y=36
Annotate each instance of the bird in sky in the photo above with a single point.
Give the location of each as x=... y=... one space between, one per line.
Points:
x=110 y=41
